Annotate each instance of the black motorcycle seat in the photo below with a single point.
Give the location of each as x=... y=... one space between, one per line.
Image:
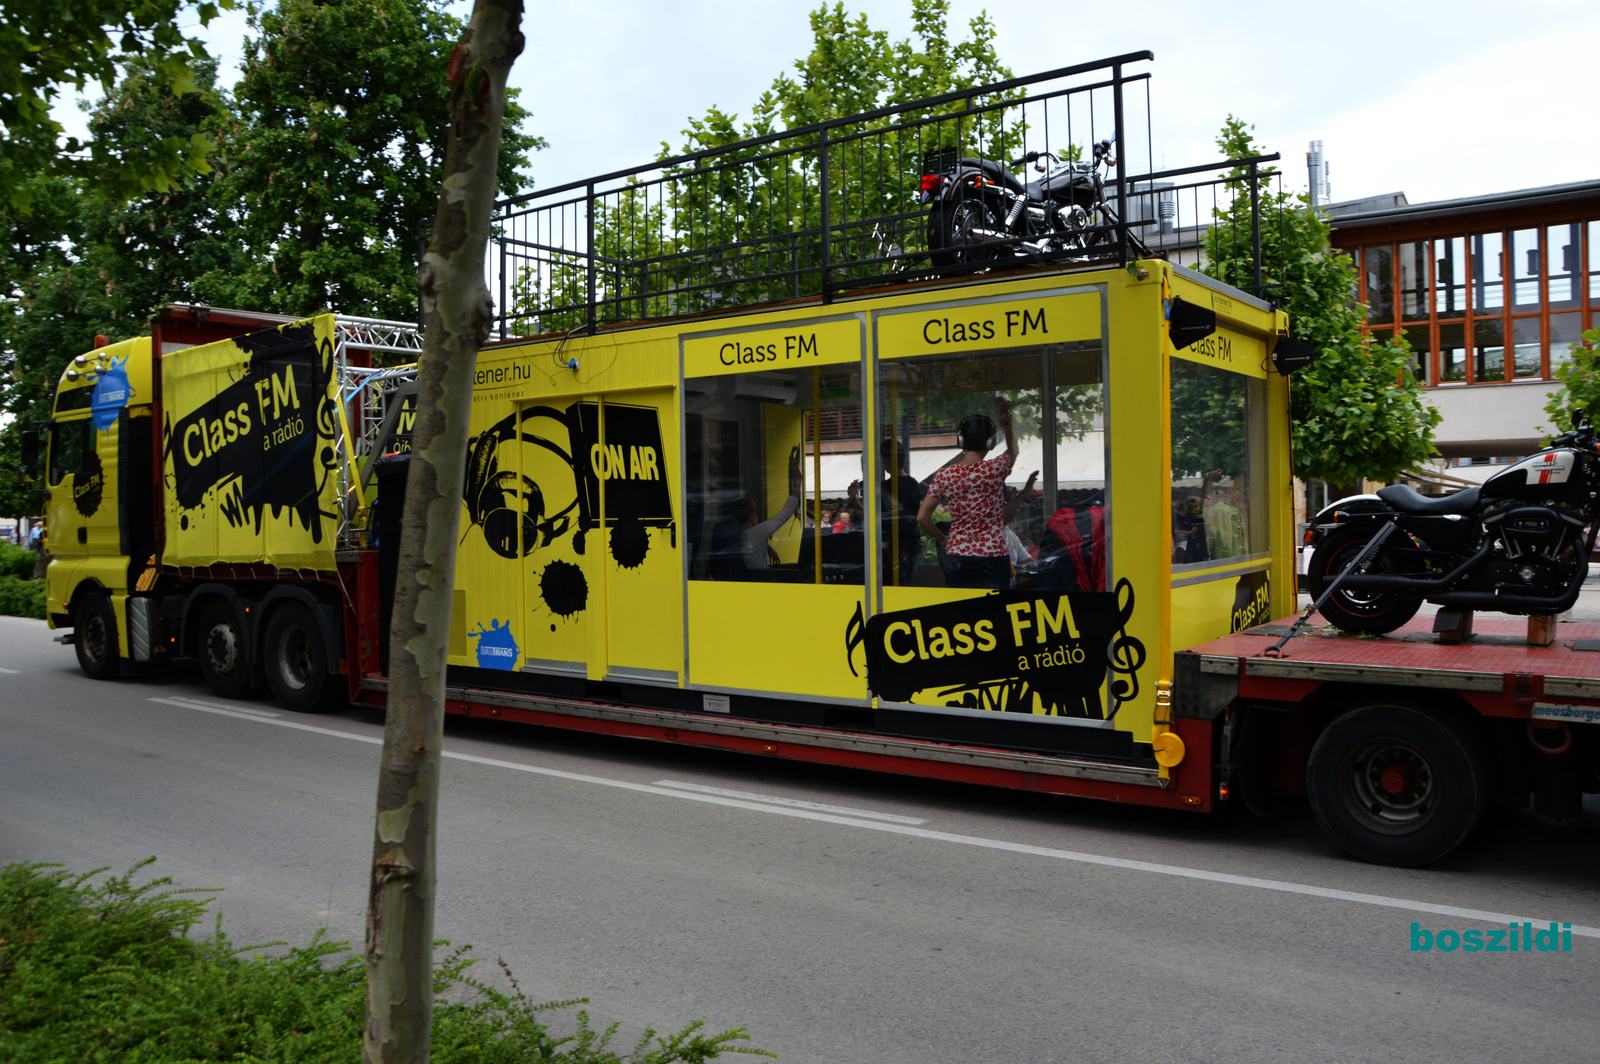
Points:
x=996 y=173
x=1407 y=501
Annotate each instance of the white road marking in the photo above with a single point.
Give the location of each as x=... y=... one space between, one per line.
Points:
x=1177 y=871
x=197 y=704
x=795 y=803
x=10 y=672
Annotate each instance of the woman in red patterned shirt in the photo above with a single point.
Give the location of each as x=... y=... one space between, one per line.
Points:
x=973 y=493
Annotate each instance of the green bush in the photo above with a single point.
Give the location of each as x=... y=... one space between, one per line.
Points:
x=21 y=598
x=16 y=561
x=105 y=972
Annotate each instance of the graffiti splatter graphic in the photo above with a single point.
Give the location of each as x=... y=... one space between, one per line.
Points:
x=564 y=589
x=90 y=483
x=256 y=443
x=630 y=542
x=496 y=647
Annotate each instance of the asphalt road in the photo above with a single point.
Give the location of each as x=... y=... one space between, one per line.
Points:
x=880 y=920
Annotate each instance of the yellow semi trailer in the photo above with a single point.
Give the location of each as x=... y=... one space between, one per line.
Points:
x=706 y=531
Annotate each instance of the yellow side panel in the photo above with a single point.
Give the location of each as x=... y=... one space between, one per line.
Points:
x=1205 y=611
x=644 y=594
x=774 y=637
x=251 y=449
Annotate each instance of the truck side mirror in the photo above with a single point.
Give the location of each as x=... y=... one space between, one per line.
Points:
x=30 y=454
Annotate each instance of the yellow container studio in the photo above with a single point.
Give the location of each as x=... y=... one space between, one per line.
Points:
x=729 y=508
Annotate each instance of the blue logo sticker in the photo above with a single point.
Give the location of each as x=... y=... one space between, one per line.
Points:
x=496 y=648
x=111 y=394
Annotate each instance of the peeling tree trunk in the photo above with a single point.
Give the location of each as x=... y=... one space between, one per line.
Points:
x=457 y=314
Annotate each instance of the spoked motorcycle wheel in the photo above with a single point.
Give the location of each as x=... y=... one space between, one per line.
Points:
x=951 y=241
x=1362 y=612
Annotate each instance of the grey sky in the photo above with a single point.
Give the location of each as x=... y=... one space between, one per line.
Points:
x=1436 y=99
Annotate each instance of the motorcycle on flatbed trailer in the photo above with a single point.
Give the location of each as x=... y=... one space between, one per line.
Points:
x=1401 y=742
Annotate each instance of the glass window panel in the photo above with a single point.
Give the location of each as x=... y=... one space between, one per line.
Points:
x=1527 y=355
x=1450 y=277
x=1489 y=350
x=1452 y=352
x=1218 y=464
x=1420 y=339
x=1563 y=245
x=1488 y=272
x=1527 y=267
x=1053 y=504
x=766 y=453
x=1565 y=330
x=1414 y=272
x=1594 y=263
x=1380 y=286
x=69 y=442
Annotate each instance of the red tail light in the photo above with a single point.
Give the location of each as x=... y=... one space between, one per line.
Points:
x=932 y=182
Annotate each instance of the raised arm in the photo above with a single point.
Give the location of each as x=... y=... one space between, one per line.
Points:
x=925 y=517
x=1002 y=409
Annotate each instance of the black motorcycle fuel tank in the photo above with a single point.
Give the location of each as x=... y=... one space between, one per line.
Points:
x=1540 y=476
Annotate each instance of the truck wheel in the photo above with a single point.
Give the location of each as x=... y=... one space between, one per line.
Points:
x=1396 y=786
x=221 y=649
x=296 y=659
x=95 y=637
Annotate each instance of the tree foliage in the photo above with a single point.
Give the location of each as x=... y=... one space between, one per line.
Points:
x=1580 y=383
x=45 y=46
x=1357 y=410
x=716 y=234
x=331 y=165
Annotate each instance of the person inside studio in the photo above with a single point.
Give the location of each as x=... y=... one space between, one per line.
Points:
x=972 y=491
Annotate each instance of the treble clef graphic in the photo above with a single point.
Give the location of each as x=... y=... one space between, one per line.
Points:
x=855 y=634
x=1124 y=654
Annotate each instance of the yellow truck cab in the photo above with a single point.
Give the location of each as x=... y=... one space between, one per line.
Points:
x=98 y=474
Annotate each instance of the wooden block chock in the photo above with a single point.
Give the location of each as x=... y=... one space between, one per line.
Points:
x=1541 y=629
x=1453 y=626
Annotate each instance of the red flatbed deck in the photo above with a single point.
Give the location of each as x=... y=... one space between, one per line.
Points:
x=1495 y=670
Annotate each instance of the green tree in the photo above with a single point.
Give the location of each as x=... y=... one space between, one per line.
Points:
x=77 y=266
x=729 y=232
x=1580 y=383
x=335 y=163
x=45 y=46
x=1357 y=411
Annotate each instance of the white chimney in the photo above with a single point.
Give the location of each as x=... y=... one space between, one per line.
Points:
x=1317 y=173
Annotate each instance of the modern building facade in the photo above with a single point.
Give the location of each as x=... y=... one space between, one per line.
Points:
x=1491 y=291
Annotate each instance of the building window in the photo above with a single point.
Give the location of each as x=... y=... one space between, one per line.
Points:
x=1485 y=307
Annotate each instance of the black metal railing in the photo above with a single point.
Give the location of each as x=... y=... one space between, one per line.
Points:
x=834 y=206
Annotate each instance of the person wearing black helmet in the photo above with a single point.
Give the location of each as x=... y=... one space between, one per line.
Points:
x=972 y=491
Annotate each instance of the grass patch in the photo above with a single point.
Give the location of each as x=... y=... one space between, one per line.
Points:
x=21 y=598
x=102 y=970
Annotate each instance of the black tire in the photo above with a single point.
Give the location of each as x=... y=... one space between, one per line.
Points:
x=950 y=224
x=95 y=637
x=295 y=658
x=1362 y=612
x=220 y=646
x=1395 y=785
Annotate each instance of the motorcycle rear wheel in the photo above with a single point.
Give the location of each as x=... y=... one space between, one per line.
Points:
x=1361 y=612
x=950 y=225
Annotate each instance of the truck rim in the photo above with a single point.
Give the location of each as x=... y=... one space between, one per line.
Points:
x=294 y=657
x=222 y=648
x=94 y=637
x=1391 y=785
